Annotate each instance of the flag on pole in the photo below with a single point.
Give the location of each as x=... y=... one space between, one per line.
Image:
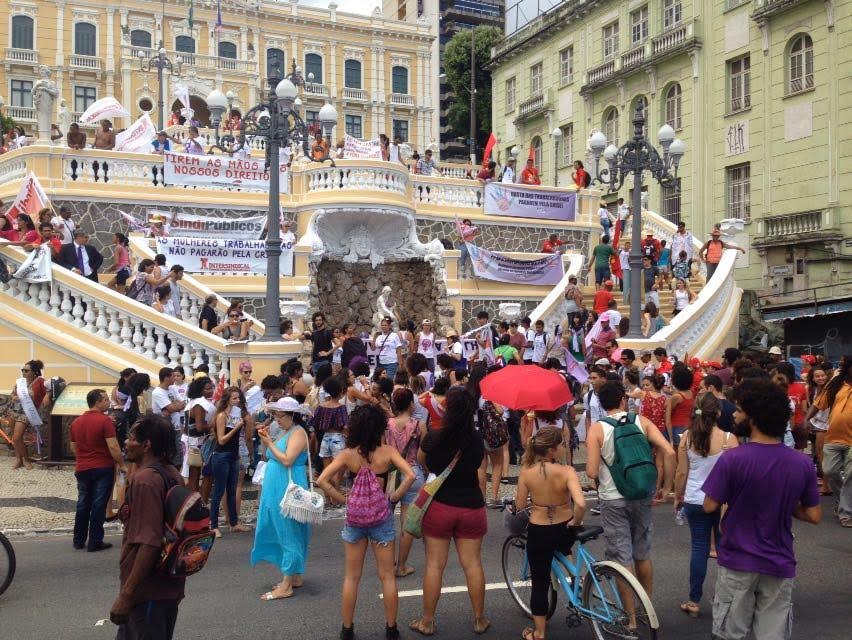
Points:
x=219 y=16
x=219 y=391
x=181 y=92
x=489 y=147
x=531 y=155
x=31 y=199
x=614 y=260
x=190 y=19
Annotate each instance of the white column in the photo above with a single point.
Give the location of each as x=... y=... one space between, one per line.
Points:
x=244 y=43
x=331 y=81
x=211 y=39
x=60 y=32
x=383 y=125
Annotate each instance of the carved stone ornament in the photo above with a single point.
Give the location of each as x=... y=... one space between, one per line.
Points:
x=45 y=91
x=371 y=235
x=384 y=309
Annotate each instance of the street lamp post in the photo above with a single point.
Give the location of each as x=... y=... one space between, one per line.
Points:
x=278 y=121
x=556 y=134
x=473 y=96
x=161 y=63
x=635 y=157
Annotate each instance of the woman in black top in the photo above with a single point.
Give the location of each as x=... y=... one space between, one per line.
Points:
x=353 y=346
x=207 y=320
x=458 y=510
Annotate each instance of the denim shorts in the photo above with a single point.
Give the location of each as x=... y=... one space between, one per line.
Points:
x=333 y=443
x=602 y=274
x=412 y=492
x=383 y=533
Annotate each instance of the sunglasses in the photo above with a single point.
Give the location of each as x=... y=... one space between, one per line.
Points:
x=233 y=316
x=26 y=370
x=246 y=370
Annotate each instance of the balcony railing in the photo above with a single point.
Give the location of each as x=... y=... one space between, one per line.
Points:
x=633 y=57
x=766 y=8
x=18 y=114
x=673 y=38
x=91 y=63
x=316 y=89
x=354 y=94
x=532 y=105
x=27 y=56
x=402 y=99
x=600 y=73
x=794 y=224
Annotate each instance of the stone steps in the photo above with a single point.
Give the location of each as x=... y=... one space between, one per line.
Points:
x=666 y=298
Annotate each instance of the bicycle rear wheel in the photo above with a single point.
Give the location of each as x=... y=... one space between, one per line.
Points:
x=621 y=611
x=516 y=573
x=7 y=563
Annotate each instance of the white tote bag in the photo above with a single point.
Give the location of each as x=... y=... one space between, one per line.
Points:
x=300 y=504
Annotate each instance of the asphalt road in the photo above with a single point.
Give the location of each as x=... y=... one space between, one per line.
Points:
x=63 y=594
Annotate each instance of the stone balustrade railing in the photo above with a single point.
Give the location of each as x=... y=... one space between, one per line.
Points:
x=440 y=192
x=193 y=293
x=552 y=309
x=137 y=330
x=663 y=229
x=356 y=175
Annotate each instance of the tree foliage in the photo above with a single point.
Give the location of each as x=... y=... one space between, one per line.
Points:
x=458 y=69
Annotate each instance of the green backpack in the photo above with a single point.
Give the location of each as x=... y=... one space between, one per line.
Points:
x=632 y=469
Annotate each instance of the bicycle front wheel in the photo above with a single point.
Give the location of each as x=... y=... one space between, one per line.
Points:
x=7 y=563
x=617 y=609
x=516 y=573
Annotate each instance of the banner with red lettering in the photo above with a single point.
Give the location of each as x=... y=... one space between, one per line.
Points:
x=31 y=199
x=137 y=137
x=221 y=171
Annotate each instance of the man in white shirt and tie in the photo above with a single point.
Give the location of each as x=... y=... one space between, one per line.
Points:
x=64 y=225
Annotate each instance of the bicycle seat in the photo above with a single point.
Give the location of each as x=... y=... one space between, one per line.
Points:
x=587 y=534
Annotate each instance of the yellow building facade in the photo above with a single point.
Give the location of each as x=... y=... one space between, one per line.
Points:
x=376 y=71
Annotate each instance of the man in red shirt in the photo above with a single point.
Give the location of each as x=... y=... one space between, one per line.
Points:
x=530 y=174
x=651 y=248
x=580 y=177
x=94 y=443
x=662 y=357
x=552 y=244
x=602 y=298
x=45 y=230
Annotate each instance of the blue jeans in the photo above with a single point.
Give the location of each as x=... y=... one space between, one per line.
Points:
x=226 y=473
x=464 y=257
x=700 y=527
x=606 y=224
x=94 y=488
x=677 y=432
x=602 y=274
x=625 y=284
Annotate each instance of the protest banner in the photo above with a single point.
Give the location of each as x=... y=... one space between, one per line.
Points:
x=185 y=225
x=31 y=199
x=198 y=255
x=496 y=266
x=355 y=148
x=469 y=343
x=107 y=107
x=137 y=137
x=37 y=266
x=529 y=202
x=221 y=171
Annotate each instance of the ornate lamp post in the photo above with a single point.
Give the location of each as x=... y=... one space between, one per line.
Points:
x=556 y=134
x=277 y=121
x=635 y=157
x=161 y=63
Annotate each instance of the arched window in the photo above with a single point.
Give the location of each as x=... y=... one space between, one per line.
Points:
x=536 y=146
x=399 y=80
x=673 y=107
x=185 y=44
x=610 y=125
x=228 y=50
x=801 y=71
x=85 y=39
x=140 y=38
x=313 y=64
x=275 y=65
x=643 y=100
x=352 y=74
x=22 y=32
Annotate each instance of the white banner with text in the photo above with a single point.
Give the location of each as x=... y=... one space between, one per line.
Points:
x=221 y=171
x=198 y=255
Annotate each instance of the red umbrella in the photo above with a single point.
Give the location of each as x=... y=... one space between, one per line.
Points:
x=526 y=387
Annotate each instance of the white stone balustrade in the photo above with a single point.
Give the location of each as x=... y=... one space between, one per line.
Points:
x=551 y=310
x=437 y=191
x=359 y=178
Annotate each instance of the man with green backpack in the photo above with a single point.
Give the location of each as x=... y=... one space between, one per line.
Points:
x=620 y=457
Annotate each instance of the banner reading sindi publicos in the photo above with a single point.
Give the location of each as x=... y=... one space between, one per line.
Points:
x=198 y=255
x=529 y=202
x=184 y=169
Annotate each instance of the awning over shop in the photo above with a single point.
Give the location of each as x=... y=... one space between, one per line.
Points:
x=806 y=310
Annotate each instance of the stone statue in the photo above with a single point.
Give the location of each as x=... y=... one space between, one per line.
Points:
x=45 y=91
x=64 y=118
x=384 y=310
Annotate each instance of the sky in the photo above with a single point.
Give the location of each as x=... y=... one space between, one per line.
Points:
x=347 y=6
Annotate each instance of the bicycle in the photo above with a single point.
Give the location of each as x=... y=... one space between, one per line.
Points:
x=604 y=593
x=7 y=563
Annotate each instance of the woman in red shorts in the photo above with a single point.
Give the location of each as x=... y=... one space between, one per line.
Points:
x=457 y=512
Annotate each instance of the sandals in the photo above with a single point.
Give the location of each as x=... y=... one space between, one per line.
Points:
x=421 y=627
x=404 y=572
x=691 y=609
x=240 y=528
x=529 y=634
x=269 y=596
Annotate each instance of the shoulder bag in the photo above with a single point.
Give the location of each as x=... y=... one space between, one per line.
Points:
x=417 y=509
x=300 y=504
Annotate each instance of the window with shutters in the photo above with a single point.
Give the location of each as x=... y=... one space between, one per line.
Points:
x=673 y=107
x=610 y=40
x=352 y=74
x=566 y=65
x=670 y=204
x=739 y=72
x=536 y=79
x=352 y=125
x=672 y=13
x=801 y=71
x=22 y=32
x=140 y=38
x=85 y=39
x=313 y=64
x=510 y=94
x=610 y=125
x=567 y=145
x=21 y=93
x=536 y=146
x=639 y=25
x=84 y=97
x=738 y=178
x=399 y=80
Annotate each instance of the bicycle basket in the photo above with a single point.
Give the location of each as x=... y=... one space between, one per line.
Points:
x=516 y=522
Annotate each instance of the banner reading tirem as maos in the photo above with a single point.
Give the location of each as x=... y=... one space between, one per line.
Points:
x=221 y=171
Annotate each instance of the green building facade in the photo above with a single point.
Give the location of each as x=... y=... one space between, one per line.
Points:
x=759 y=90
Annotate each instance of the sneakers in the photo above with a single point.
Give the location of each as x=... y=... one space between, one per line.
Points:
x=347 y=633
x=391 y=633
x=595 y=511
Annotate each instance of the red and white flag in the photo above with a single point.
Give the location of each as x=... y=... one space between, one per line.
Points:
x=489 y=146
x=31 y=199
x=219 y=391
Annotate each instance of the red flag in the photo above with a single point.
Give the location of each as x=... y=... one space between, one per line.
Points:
x=220 y=388
x=615 y=261
x=30 y=200
x=492 y=140
x=531 y=155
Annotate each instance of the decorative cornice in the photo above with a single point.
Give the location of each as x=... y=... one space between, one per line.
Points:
x=23 y=9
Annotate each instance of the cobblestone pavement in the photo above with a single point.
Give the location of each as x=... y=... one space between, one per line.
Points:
x=44 y=499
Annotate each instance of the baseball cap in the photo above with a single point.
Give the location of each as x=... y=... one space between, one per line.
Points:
x=646 y=352
x=426 y=321
x=609 y=283
x=452 y=333
x=775 y=351
x=605 y=316
x=602 y=362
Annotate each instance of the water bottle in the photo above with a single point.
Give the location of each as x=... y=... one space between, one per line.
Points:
x=680 y=517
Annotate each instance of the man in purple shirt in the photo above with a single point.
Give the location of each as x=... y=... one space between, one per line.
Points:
x=765 y=486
